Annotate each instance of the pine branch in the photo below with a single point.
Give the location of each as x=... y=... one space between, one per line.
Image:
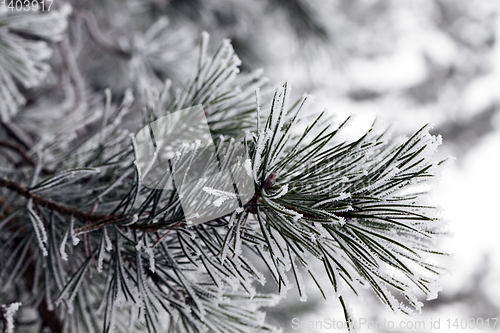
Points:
x=316 y=198
x=339 y=202
x=51 y=205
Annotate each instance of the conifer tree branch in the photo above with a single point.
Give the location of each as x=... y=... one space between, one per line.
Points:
x=94 y=221
x=49 y=204
x=312 y=198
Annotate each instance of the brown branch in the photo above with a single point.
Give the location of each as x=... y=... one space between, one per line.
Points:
x=97 y=221
x=165 y=234
x=49 y=204
x=24 y=154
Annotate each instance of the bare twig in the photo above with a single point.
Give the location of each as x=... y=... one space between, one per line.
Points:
x=49 y=204
x=97 y=221
x=98 y=224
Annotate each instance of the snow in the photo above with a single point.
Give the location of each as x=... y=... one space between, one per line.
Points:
x=261 y=145
x=296 y=216
x=237 y=241
x=8 y=313
x=135 y=218
x=109 y=245
x=100 y=259
x=62 y=247
x=339 y=197
x=248 y=167
x=222 y=195
x=74 y=239
x=40 y=232
x=281 y=192
x=150 y=253
x=287 y=88
x=434 y=289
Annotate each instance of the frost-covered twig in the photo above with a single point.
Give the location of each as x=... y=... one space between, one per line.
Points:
x=49 y=204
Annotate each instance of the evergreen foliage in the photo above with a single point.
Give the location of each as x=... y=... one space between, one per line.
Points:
x=94 y=250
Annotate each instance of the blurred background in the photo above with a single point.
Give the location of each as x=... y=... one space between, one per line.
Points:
x=404 y=63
